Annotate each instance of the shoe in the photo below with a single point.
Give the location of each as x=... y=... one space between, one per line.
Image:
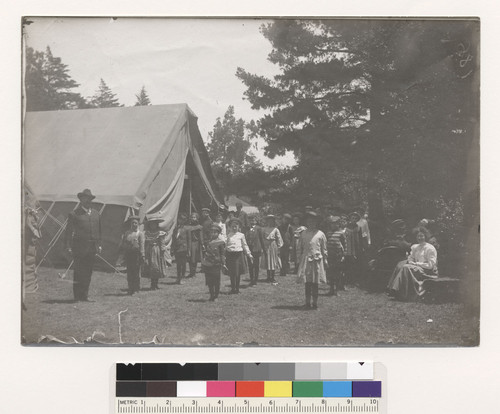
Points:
x=307 y=306
x=314 y=306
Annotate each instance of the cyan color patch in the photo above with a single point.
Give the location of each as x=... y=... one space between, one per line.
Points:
x=337 y=389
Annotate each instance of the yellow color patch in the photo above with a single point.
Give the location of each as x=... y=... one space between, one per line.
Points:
x=278 y=389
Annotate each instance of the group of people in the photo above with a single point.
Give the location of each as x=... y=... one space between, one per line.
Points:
x=331 y=249
x=327 y=250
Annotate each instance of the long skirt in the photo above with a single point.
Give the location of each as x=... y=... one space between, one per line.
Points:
x=311 y=271
x=133 y=261
x=155 y=265
x=406 y=282
x=271 y=257
x=195 y=256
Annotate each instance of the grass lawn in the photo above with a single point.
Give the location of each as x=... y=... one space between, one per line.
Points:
x=261 y=315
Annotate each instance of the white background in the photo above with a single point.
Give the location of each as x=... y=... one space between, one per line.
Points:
x=77 y=380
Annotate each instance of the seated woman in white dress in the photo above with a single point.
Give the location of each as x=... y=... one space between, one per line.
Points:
x=406 y=283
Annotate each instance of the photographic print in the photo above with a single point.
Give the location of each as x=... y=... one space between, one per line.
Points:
x=250 y=181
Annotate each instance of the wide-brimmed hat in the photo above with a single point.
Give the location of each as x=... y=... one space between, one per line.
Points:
x=154 y=217
x=332 y=219
x=205 y=209
x=398 y=225
x=355 y=214
x=308 y=207
x=86 y=193
x=312 y=214
x=133 y=217
x=234 y=220
x=287 y=215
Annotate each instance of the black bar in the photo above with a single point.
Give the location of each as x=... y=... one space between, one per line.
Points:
x=168 y=372
x=206 y=372
x=128 y=372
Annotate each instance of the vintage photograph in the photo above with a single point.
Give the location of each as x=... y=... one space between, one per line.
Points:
x=250 y=181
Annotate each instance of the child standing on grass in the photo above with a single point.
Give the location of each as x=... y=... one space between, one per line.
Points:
x=313 y=259
x=132 y=248
x=213 y=261
x=272 y=246
x=236 y=248
x=155 y=265
x=180 y=246
x=255 y=243
x=335 y=243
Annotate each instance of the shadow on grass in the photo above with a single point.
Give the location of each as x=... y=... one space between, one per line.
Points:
x=58 y=301
x=120 y=295
x=197 y=300
x=290 y=307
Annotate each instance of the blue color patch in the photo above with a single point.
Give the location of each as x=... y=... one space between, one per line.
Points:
x=337 y=389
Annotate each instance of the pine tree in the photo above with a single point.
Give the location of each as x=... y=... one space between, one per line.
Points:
x=48 y=83
x=229 y=148
x=384 y=102
x=104 y=97
x=142 y=98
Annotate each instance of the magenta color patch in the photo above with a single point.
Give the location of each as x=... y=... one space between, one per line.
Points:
x=221 y=388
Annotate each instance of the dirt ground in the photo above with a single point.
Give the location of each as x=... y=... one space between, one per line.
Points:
x=264 y=315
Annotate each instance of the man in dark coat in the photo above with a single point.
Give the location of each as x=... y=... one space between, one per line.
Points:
x=83 y=241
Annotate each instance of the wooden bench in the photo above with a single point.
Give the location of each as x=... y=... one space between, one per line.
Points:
x=441 y=289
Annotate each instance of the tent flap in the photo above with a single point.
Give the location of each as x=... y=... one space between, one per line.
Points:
x=132 y=158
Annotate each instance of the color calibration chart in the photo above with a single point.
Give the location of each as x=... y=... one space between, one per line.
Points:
x=333 y=387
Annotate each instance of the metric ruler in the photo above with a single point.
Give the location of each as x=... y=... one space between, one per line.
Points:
x=326 y=387
x=159 y=405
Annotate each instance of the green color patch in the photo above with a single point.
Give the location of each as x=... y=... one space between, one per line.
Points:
x=308 y=388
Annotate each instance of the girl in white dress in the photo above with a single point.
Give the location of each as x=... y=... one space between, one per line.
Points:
x=272 y=244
